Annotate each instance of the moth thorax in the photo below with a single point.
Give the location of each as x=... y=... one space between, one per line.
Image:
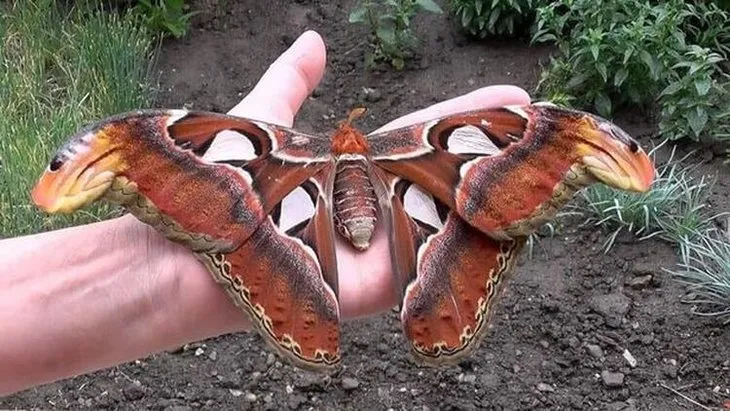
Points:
x=354 y=208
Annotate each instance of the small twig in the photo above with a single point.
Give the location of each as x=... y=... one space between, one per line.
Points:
x=127 y=377
x=686 y=397
x=355 y=47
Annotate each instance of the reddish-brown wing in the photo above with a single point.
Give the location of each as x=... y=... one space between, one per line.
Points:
x=506 y=171
x=152 y=162
x=449 y=274
x=286 y=280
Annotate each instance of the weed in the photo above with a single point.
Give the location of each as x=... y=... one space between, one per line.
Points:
x=484 y=18
x=165 y=16
x=389 y=22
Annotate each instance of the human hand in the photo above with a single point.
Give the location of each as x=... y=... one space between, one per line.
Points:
x=365 y=279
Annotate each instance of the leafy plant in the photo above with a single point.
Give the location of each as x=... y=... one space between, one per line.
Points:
x=696 y=104
x=389 y=23
x=708 y=25
x=165 y=16
x=705 y=269
x=616 y=52
x=484 y=18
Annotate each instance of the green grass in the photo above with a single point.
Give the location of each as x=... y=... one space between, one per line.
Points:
x=674 y=209
x=60 y=70
x=705 y=270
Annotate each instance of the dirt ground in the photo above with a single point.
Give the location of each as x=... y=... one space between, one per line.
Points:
x=560 y=332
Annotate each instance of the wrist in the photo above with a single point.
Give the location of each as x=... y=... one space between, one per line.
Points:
x=100 y=295
x=187 y=298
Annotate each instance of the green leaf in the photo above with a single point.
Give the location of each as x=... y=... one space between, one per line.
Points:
x=545 y=37
x=429 y=6
x=357 y=15
x=603 y=104
x=651 y=62
x=576 y=81
x=594 y=51
x=627 y=54
x=671 y=89
x=697 y=119
x=603 y=71
x=386 y=34
x=493 y=19
x=467 y=17
x=703 y=85
x=620 y=77
x=694 y=67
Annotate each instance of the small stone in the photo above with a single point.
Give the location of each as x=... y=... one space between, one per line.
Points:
x=213 y=355
x=234 y=381
x=250 y=397
x=594 y=350
x=270 y=360
x=573 y=342
x=372 y=95
x=133 y=392
x=612 y=379
x=542 y=387
x=235 y=392
x=640 y=282
x=199 y=351
x=613 y=308
x=629 y=358
x=470 y=378
x=544 y=344
x=295 y=401
x=349 y=383
x=644 y=268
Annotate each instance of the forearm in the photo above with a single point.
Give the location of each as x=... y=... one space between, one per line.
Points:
x=89 y=297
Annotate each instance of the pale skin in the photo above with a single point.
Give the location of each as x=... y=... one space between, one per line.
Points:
x=90 y=297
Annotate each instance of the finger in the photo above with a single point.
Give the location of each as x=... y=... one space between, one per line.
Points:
x=486 y=97
x=287 y=83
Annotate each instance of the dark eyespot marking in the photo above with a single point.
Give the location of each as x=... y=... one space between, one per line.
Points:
x=56 y=163
x=620 y=135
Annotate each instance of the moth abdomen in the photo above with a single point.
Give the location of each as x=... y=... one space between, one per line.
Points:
x=354 y=201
